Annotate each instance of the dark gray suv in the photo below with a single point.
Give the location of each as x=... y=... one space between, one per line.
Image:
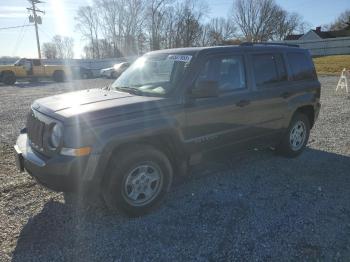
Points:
x=128 y=140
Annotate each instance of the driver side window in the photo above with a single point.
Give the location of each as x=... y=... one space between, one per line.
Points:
x=228 y=72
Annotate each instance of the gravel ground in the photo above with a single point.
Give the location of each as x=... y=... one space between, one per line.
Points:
x=251 y=207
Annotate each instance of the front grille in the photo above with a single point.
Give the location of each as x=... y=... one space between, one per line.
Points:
x=35 y=131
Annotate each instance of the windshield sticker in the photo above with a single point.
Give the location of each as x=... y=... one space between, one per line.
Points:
x=181 y=58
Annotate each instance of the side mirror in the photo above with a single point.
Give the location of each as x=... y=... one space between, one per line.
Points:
x=205 y=89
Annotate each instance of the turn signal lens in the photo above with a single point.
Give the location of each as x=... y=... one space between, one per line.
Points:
x=83 y=151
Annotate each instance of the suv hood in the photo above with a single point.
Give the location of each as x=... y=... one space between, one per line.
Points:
x=92 y=102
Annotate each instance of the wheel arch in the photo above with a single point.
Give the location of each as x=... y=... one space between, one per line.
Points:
x=58 y=75
x=167 y=143
x=309 y=111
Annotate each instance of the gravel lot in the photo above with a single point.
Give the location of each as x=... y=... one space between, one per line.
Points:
x=251 y=207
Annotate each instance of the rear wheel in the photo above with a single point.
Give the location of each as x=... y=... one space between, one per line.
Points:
x=9 y=78
x=294 y=141
x=138 y=179
x=58 y=76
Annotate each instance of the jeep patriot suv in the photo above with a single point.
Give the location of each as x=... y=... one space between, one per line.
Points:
x=129 y=140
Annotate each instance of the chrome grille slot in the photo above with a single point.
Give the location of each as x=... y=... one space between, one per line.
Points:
x=35 y=131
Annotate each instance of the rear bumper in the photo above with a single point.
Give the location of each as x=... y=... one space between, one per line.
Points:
x=59 y=173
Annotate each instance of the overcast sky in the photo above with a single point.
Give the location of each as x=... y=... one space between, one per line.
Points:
x=59 y=19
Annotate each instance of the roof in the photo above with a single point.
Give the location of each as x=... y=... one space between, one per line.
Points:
x=196 y=50
x=322 y=34
x=293 y=37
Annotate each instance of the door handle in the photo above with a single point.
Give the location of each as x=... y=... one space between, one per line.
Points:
x=286 y=94
x=243 y=103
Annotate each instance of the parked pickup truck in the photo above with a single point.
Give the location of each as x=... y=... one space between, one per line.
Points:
x=32 y=69
x=129 y=140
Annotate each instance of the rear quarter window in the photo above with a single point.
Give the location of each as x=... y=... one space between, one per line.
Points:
x=36 y=62
x=301 y=66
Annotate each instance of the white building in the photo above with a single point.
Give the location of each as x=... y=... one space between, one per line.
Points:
x=321 y=43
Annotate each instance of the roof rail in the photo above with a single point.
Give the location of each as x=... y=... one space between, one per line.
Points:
x=267 y=43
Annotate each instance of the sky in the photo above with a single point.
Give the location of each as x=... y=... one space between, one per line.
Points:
x=59 y=19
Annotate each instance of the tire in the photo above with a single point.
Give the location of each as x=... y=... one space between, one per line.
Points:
x=295 y=139
x=58 y=76
x=9 y=78
x=137 y=180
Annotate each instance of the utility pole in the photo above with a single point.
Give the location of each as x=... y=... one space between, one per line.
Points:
x=36 y=20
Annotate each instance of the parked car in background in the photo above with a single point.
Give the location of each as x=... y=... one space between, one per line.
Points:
x=32 y=69
x=80 y=72
x=127 y=141
x=115 y=71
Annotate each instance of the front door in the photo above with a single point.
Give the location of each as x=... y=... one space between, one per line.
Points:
x=38 y=68
x=226 y=119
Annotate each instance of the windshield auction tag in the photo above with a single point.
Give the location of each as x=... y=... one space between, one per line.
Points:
x=181 y=58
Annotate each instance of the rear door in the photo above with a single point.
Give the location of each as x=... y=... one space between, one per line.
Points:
x=270 y=91
x=226 y=119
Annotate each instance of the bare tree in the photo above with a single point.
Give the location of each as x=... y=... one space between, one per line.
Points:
x=217 y=30
x=64 y=46
x=342 y=22
x=111 y=17
x=133 y=25
x=156 y=13
x=189 y=16
x=88 y=24
x=49 y=50
x=286 y=24
x=262 y=20
x=116 y=28
x=121 y=23
x=256 y=19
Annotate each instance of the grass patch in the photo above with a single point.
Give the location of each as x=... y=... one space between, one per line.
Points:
x=332 y=65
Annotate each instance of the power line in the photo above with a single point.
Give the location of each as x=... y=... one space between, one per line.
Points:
x=11 y=27
x=20 y=36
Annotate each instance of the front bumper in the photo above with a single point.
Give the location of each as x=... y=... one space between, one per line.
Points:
x=59 y=173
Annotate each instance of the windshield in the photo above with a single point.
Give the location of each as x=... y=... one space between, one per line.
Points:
x=19 y=62
x=153 y=74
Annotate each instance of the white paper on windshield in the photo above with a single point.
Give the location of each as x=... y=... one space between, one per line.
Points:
x=181 y=58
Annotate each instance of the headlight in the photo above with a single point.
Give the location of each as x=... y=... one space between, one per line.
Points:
x=56 y=136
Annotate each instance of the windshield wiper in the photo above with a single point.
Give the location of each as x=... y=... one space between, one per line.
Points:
x=130 y=90
x=107 y=87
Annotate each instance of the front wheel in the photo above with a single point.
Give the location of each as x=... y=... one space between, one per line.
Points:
x=9 y=78
x=137 y=180
x=295 y=139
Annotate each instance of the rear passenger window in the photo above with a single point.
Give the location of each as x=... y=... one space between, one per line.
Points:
x=228 y=72
x=268 y=69
x=36 y=62
x=301 y=65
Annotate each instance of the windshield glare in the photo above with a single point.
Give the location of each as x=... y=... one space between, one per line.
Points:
x=153 y=74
